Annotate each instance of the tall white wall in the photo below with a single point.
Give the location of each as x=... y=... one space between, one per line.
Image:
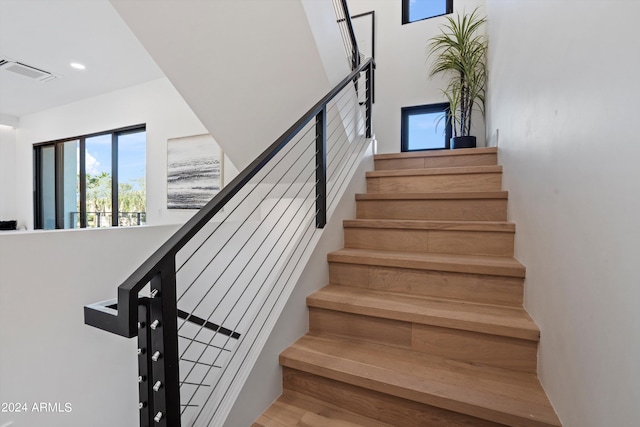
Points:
x=48 y=355
x=155 y=103
x=248 y=69
x=324 y=27
x=7 y=173
x=402 y=73
x=564 y=78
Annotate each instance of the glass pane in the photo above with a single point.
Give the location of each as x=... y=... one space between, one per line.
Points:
x=48 y=186
x=421 y=9
x=426 y=131
x=132 y=166
x=98 y=180
x=71 y=183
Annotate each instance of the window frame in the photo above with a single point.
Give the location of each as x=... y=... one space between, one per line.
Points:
x=38 y=214
x=406 y=112
x=406 y=12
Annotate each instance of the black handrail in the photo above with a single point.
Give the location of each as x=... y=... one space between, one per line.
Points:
x=355 y=51
x=154 y=319
x=122 y=320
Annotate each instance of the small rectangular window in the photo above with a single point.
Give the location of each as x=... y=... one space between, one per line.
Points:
x=425 y=127
x=417 y=10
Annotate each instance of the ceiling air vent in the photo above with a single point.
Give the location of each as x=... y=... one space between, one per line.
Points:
x=26 y=70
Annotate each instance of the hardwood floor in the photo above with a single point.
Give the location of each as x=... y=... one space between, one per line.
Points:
x=422 y=322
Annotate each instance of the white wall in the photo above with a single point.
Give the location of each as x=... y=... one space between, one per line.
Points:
x=7 y=173
x=324 y=27
x=401 y=77
x=264 y=383
x=155 y=103
x=47 y=353
x=248 y=69
x=564 y=78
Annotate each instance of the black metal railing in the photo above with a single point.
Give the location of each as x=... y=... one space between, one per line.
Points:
x=104 y=219
x=347 y=33
x=201 y=294
x=372 y=15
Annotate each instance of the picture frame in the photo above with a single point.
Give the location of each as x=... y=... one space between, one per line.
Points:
x=195 y=171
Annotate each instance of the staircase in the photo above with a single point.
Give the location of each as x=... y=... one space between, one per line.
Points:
x=422 y=323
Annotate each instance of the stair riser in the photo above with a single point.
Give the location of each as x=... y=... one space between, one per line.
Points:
x=473 y=347
x=437 y=162
x=445 y=210
x=491 y=350
x=295 y=409
x=463 y=286
x=373 y=404
x=435 y=183
x=432 y=241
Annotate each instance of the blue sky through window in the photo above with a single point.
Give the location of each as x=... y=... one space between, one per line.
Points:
x=98 y=154
x=421 y=9
x=131 y=156
x=424 y=133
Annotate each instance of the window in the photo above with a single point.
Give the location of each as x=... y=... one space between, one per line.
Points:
x=417 y=10
x=91 y=181
x=425 y=127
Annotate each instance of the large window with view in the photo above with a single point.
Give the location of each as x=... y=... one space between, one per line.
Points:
x=91 y=181
x=417 y=10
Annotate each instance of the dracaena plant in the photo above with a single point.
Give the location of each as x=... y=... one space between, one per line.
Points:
x=459 y=52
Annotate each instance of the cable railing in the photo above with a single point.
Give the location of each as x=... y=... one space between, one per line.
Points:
x=349 y=40
x=199 y=304
x=347 y=33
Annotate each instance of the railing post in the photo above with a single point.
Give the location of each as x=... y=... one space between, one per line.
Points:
x=368 y=100
x=145 y=390
x=321 y=168
x=373 y=55
x=163 y=352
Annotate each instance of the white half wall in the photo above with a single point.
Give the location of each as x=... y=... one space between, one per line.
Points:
x=47 y=353
x=564 y=78
x=402 y=73
x=156 y=104
x=248 y=69
x=7 y=173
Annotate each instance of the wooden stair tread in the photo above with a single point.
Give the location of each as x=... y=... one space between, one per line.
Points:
x=437 y=153
x=459 y=170
x=488 y=265
x=494 y=394
x=416 y=224
x=294 y=409
x=483 y=318
x=434 y=196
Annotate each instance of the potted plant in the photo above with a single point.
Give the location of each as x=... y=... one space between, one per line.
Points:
x=459 y=52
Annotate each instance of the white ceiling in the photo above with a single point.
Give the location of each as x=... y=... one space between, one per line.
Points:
x=49 y=35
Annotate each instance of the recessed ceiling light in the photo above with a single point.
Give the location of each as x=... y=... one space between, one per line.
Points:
x=78 y=66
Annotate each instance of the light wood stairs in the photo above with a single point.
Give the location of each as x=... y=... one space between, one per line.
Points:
x=422 y=323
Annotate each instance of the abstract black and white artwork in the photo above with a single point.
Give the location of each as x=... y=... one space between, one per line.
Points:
x=194 y=171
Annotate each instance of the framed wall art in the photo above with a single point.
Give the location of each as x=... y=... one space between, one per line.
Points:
x=194 y=171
